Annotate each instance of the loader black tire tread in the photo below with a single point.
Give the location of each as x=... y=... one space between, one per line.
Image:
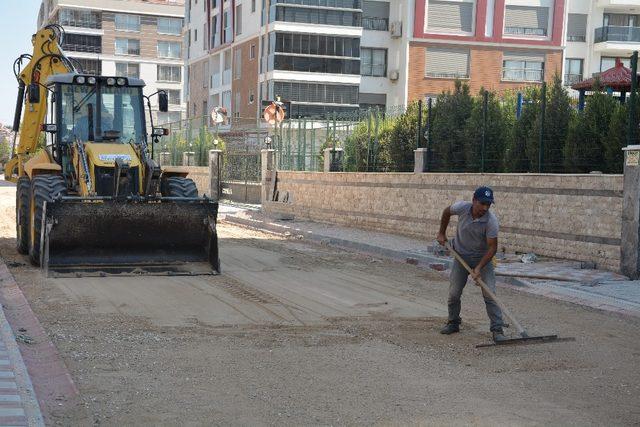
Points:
x=44 y=188
x=23 y=190
x=177 y=186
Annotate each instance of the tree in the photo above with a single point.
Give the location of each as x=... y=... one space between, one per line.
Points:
x=495 y=134
x=516 y=155
x=402 y=139
x=587 y=137
x=556 y=127
x=450 y=115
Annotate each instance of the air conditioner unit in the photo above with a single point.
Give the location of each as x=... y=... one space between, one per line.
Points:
x=394 y=75
x=396 y=29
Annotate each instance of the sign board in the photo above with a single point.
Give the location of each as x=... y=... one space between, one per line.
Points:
x=218 y=115
x=633 y=158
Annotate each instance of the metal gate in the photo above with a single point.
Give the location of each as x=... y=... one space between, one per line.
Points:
x=241 y=172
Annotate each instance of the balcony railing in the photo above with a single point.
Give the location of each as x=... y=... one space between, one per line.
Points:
x=81 y=23
x=376 y=24
x=525 y=31
x=570 y=79
x=511 y=74
x=81 y=48
x=575 y=38
x=617 y=34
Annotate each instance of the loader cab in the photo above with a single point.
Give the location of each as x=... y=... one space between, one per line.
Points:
x=99 y=109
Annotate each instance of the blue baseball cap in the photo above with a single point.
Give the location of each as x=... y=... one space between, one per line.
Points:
x=483 y=195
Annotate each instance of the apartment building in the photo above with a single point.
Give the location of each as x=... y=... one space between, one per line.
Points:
x=495 y=44
x=598 y=32
x=131 y=38
x=323 y=56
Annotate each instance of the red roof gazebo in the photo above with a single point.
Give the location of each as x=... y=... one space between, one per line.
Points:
x=617 y=79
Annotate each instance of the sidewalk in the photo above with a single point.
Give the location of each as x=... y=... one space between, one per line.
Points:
x=570 y=281
x=18 y=403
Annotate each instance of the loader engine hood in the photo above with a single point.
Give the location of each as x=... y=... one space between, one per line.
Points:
x=105 y=155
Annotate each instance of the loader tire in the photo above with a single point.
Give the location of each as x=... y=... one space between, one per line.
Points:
x=44 y=188
x=23 y=190
x=178 y=187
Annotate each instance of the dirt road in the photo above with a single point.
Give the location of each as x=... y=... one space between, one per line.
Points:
x=296 y=333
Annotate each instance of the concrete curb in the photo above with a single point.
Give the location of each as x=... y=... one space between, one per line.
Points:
x=47 y=374
x=547 y=290
x=404 y=256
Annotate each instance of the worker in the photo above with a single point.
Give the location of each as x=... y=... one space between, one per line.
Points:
x=477 y=242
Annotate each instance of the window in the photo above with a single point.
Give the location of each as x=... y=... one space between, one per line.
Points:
x=577 y=27
x=572 y=71
x=450 y=63
x=522 y=67
x=228 y=33
x=174 y=96
x=80 y=18
x=169 y=73
x=252 y=51
x=326 y=65
x=226 y=74
x=313 y=44
x=87 y=66
x=526 y=20
x=215 y=71
x=373 y=62
x=167 y=49
x=195 y=34
x=127 y=22
x=317 y=16
x=314 y=92
x=205 y=73
x=375 y=15
x=226 y=100
x=82 y=43
x=170 y=26
x=253 y=6
x=127 y=47
x=238 y=19
x=237 y=63
x=450 y=16
x=215 y=32
x=204 y=36
x=236 y=104
x=169 y=117
x=127 y=69
x=252 y=96
x=372 y=101
x=607 y=62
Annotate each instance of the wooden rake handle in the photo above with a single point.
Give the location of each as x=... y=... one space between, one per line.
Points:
x=488 y=291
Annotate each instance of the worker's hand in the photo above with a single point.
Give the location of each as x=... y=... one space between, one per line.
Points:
x=441 y=238
x=476 y=275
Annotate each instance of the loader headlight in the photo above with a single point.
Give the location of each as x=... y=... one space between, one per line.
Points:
x=121 y=82
x=91 y=80
x=111 y=81
x=80 y=80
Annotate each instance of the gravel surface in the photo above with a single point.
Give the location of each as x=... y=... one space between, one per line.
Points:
x=381 y=361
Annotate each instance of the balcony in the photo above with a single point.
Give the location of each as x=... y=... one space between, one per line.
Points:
x=617 y=34
x=93 y=24
x=375 y=24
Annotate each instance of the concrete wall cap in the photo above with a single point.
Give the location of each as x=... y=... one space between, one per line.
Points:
x=631 y=148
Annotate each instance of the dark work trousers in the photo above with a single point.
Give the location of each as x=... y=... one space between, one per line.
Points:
x=458 y=280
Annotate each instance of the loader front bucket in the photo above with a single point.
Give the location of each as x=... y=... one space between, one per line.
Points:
x=101 y=237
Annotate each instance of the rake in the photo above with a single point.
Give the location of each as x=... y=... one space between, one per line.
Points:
x=524 y=337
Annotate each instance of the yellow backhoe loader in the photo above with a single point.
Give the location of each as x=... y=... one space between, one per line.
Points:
x=93 y=200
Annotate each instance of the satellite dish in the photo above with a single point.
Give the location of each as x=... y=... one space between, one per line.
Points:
x=219 y=115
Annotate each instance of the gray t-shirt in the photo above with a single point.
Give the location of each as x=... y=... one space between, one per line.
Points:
x=471 y=234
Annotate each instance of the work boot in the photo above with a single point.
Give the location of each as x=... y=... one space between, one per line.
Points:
x=498 y=336
x=450 y=328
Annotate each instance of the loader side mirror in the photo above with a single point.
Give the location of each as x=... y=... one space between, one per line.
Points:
x=163 y=102
x=34 y=93
x=160 y=132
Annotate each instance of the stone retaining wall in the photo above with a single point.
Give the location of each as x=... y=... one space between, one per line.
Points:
x=565 y=216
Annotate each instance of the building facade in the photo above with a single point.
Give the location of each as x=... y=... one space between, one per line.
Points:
x=134 y=38
x=598 y=32
x=325 y=57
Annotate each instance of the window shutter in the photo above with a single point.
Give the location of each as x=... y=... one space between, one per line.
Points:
x=375 y=9
x=577 y=26
x=450 y=16
x=447 y=62
x=524 y=56
x=526 y=17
